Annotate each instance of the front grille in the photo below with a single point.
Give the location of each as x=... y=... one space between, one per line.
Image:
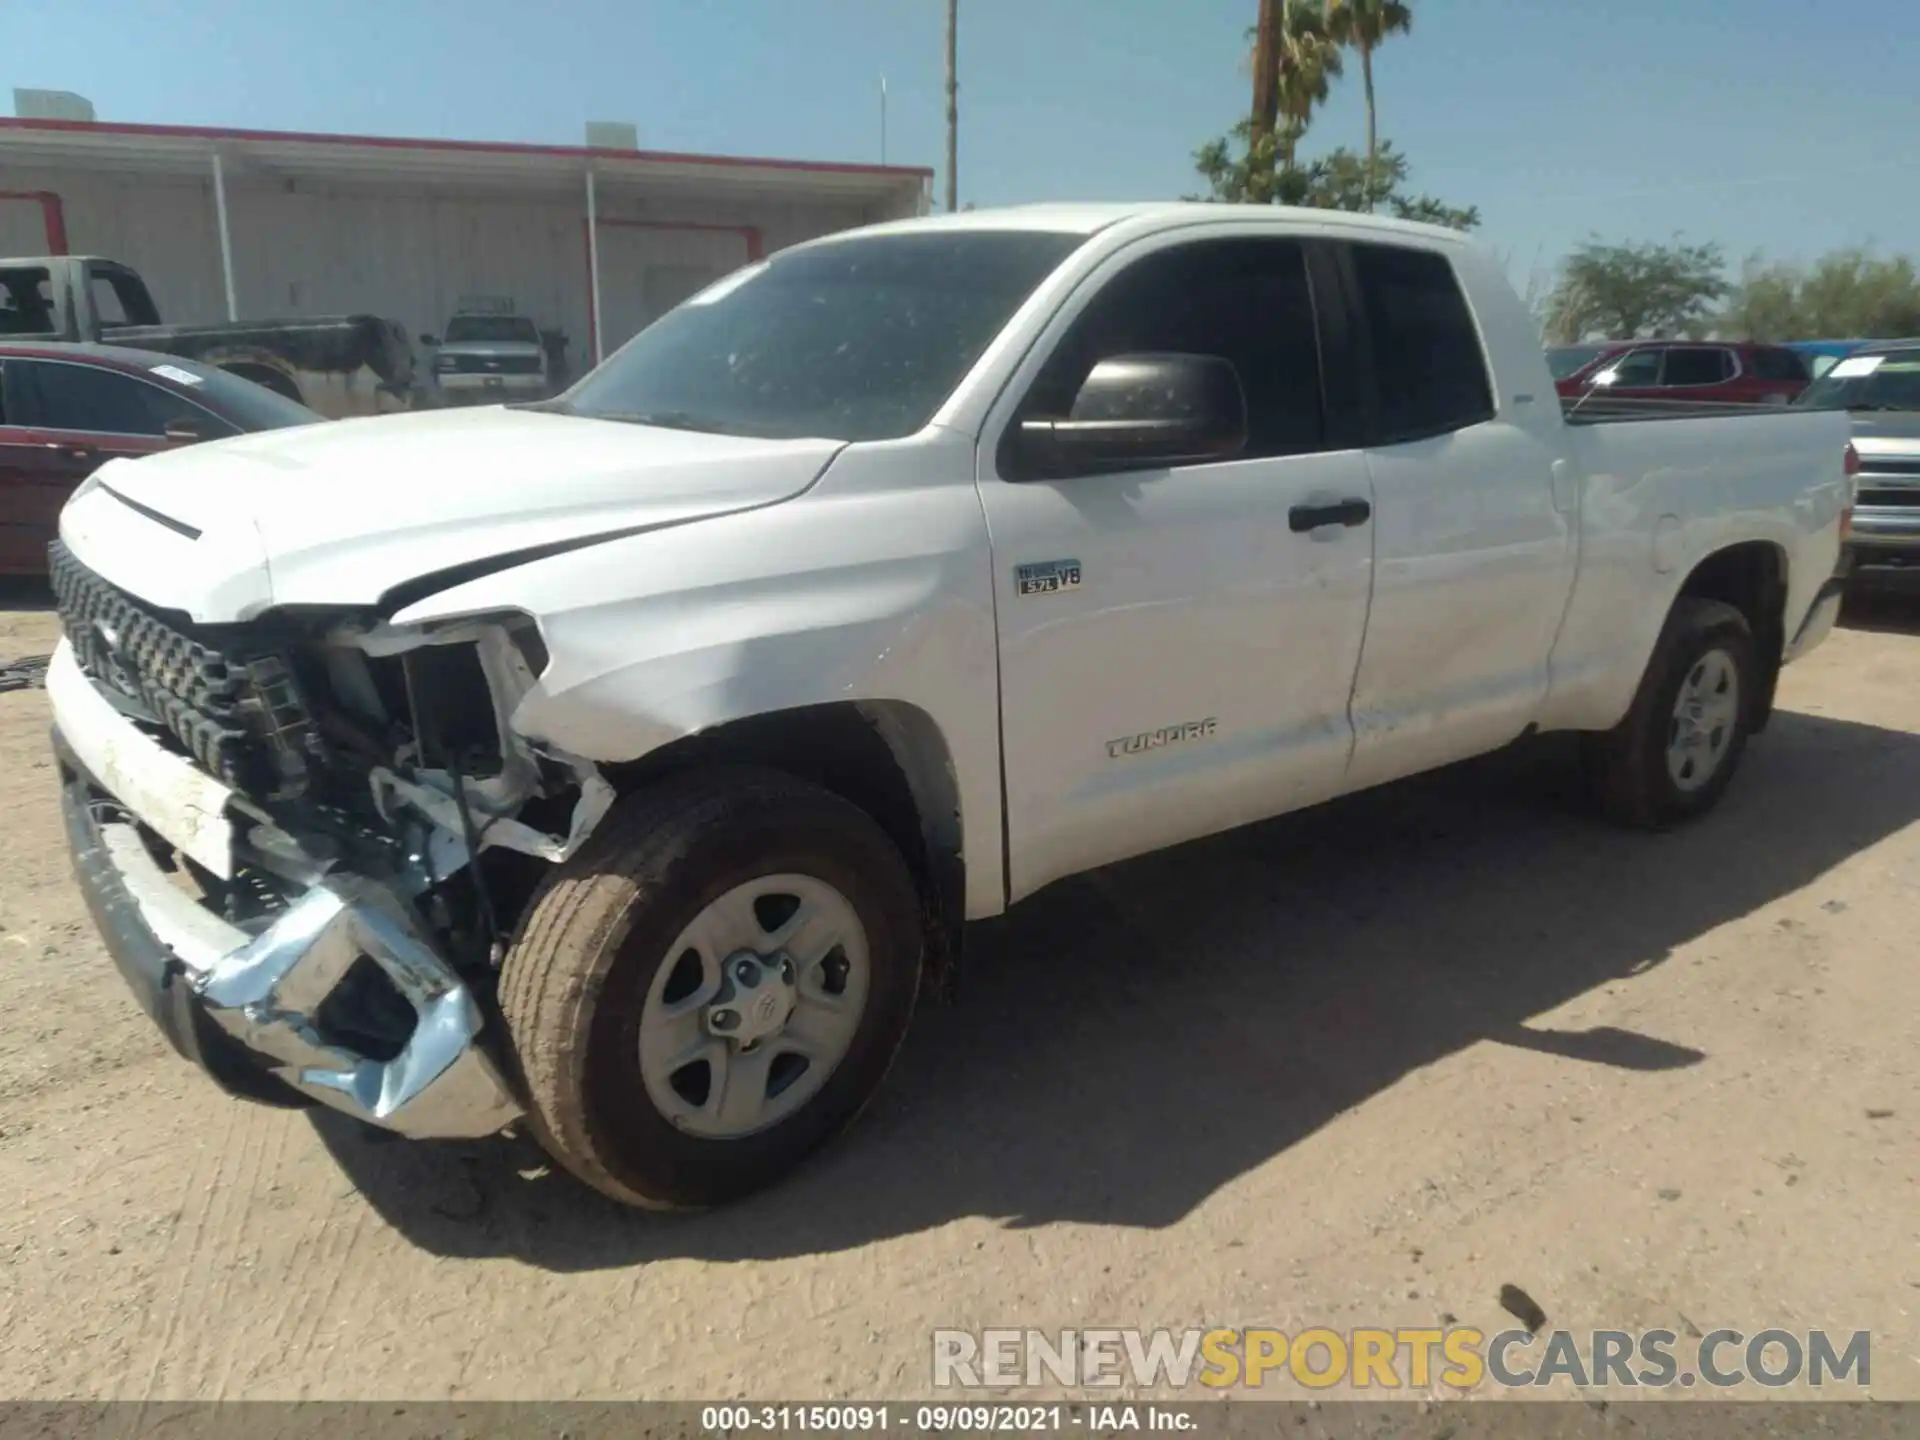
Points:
x=231 y=705
x=1876 y=496
x=490 y=364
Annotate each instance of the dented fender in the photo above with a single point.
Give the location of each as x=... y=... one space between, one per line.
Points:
x=860 y=591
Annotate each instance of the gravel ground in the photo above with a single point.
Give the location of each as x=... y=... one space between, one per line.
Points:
x=1361 y=1066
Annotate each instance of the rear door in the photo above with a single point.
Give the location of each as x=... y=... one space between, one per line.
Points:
x=66 y=418
x=1473 y=554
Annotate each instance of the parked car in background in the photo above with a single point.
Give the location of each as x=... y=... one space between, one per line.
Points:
x=486 y=358
x=1695 y=372
x=1822 y=355
x=1878 y=385
x=67 y=409
x=338 y=365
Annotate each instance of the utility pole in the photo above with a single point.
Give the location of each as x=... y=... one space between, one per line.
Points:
x=953 y=107
x=883 y=119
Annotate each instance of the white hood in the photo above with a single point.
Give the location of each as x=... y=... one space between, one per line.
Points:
x=340 y=513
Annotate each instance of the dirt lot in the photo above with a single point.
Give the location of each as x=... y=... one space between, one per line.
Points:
x=1361 y=1066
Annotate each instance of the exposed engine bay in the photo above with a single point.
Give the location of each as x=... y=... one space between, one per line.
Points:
x=356 y=751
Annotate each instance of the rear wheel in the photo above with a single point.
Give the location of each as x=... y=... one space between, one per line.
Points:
x=713 y=987
x=1676 y=751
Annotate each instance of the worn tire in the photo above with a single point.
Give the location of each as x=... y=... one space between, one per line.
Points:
x=574 y=983
x=1626 y=767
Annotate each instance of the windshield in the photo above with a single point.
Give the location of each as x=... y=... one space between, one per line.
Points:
x=250 y=406
x=1889 y=381
x=858 y=339
x=1566 y=361
x=464 y=328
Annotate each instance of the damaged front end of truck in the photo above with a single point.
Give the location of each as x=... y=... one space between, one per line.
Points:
x=306 y=838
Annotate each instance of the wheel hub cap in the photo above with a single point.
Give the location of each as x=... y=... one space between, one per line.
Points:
x=756 y=998
x=1706 y=714
x=755 y=1004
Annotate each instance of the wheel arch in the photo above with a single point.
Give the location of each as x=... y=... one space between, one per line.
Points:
x=1751 y=576
x=889 y=757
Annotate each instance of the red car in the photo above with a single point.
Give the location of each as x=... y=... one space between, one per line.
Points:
x=67 y=409
x=1716 y=372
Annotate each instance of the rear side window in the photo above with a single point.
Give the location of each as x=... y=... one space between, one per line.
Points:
x=1779 y=365
x=1697 y=365
x=1430 y=375
x=26 y=302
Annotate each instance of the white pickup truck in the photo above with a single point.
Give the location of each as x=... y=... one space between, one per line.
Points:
x=622 y=764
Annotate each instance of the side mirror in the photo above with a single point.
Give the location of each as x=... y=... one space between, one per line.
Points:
x=1605 y=378
x=184 y=432
x=1138 y=411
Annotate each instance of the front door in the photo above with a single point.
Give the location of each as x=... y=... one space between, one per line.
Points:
x=1177 y=645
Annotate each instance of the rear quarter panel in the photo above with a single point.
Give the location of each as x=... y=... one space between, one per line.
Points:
x=1660 y=496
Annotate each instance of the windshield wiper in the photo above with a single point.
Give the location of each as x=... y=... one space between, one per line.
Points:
x=1855 y=408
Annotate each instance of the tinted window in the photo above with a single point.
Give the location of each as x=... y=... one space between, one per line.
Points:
x=1637 y=367
x=1246 y=301
x=249 y=406
x=1778 y=365
x=1428 y=370
x=84 y=397
x=856 y=339
x=1697 y=365
x=26 y=302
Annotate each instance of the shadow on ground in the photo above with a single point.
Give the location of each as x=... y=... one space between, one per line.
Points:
x=1128 y=1042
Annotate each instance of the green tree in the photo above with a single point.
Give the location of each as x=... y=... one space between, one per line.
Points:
x=1309 y=63
x=1239 y=172
x=1848 y=294
x=1630 y=291
x=1363 y=26
x=1258 y=161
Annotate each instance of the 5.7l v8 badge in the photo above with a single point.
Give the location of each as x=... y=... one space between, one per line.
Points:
x=1047 y=577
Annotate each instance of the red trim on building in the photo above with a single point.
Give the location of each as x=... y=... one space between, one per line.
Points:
x=472 y=147
x=53 y=213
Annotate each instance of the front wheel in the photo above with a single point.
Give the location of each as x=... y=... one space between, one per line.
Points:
x=1676 y=751
x=713 y=987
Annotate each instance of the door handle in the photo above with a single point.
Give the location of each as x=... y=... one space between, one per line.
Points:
x=72 y=452
x=1302 y=518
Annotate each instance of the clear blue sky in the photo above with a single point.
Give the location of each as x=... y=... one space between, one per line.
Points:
x=1769 y=125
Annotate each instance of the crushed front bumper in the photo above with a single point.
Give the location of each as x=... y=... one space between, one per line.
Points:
x=248 y=1008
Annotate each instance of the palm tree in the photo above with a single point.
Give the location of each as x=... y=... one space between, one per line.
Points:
x=1307 y=62
x=1363 y=26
